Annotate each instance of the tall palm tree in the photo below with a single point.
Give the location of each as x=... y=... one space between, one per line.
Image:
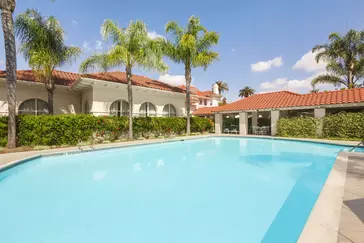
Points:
x=345 y=58
x=246 y=92
x=314 y=90
x=192 y=47
x=222 y=86
x=7 y=9
x=131 y=47
x=42 y=44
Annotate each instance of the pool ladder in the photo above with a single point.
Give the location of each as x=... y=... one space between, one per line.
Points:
x=353 y=148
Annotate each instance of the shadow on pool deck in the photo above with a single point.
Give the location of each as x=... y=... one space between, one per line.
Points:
x=352 y=214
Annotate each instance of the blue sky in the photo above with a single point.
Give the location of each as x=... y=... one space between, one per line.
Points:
x=273 y=35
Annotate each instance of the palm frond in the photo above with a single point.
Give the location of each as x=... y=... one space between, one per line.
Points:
x=328 y=79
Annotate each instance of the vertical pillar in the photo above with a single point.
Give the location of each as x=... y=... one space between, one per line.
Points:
x=254 y=118
x=274 y=117
x=218 y=123
x=243 y=123
x=320 y=113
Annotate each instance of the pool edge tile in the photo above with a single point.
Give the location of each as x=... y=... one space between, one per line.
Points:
x=323 y=222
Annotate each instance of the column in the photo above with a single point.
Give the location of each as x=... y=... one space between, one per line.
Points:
x=254 y=118
x=218 y=123
x=320 y=114
x=243 y=123
x=274 y=117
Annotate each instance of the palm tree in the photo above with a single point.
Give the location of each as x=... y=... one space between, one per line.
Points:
x=7 y=9
x=345 y=58
x=131 y=47
x=222 y=86
x=42 y=44
x=192 y=47
x=246 y=92
x=314 y=90
x=223 y=102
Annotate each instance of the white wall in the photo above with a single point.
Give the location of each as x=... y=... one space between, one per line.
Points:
x=103 y=97
x=65 y=100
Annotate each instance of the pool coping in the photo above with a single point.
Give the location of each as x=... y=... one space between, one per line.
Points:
x=324 y=220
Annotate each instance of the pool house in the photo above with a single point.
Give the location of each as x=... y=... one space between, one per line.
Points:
x=258 y=114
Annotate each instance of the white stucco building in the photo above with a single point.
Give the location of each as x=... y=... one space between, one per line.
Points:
x=102 y=94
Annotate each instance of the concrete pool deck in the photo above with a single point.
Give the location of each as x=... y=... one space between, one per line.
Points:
x=337 y=217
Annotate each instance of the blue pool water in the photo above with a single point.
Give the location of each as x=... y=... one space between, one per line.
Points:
x=206 y=190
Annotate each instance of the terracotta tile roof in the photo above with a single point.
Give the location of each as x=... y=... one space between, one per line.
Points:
x=198 y=92
x=204 y=111
x=120 y=77
x=61 y=78
x=282 y=99
x=68 y=78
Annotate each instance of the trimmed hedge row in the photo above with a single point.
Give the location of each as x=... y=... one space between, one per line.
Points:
x=304 y=127
x=71 y=129
x=344 y=125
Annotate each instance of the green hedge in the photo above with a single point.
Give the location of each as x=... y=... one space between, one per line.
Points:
x=3 y=131
x=303 y=127
x=349 y=126
x=71 y=129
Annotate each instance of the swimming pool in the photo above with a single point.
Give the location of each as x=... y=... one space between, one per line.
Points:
x=205 y=190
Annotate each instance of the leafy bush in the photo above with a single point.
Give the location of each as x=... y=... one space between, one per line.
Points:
x=3 y=131
x=67 y=129
x=344 y=125
x=302 y=127
x=71 y=129
x=199 y=124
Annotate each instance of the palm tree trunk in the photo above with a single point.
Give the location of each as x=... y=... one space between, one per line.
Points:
x=10 y=54
x=188 y=98
x=130 y=100
x=350 y=76
x=50 y=88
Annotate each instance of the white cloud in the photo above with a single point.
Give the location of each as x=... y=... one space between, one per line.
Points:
x=153 y=35
x=172 y=79
x=99 y=45
x=264 y=66
x=75 y=22
x=294 y=85
x=86 y=46
x=309 y=64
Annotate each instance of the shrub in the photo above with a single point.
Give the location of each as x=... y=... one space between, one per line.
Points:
x=344 y=125
x=3 y=131
x=71 y=129
x=199 y=124
x=67 y=129
x=303 y=127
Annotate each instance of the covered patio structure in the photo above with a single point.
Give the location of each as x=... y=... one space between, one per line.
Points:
x=264 y=110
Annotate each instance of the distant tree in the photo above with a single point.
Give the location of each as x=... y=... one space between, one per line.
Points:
x=223 y=102
x=246 y=92
x=222 y=86
x=345 y=58
x=314 y=90
x=131 y=48
x=42 y=44
x=192 y=47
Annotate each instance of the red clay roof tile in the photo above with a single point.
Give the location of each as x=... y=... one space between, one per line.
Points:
x=142 y=81
x=282 y=99
x=60 y=77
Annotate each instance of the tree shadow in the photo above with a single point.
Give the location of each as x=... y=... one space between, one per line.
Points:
x=357 y=207
x=356 y=167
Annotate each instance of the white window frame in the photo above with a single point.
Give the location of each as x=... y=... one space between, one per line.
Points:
x=35 y=112
x=169 y=111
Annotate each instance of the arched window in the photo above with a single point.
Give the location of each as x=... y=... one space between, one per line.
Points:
x=33 y=107
x=86 y=107
x=147 y=109
x=169 y=110
x=119 y=108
